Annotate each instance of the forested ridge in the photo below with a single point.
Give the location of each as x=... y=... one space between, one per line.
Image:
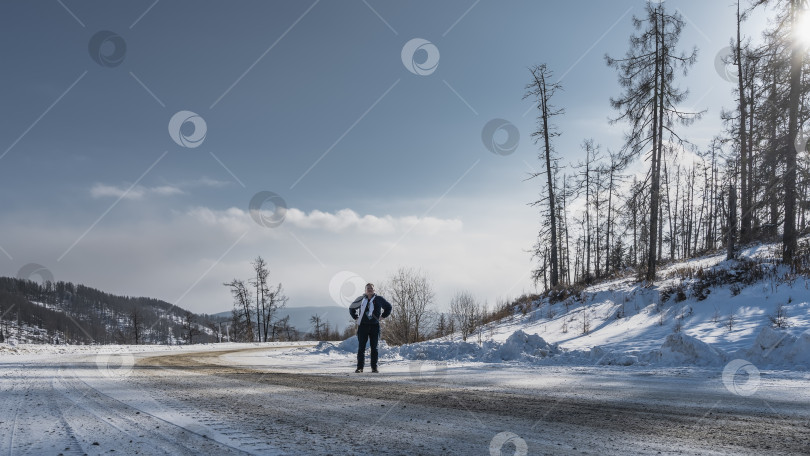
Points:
x=63 y=312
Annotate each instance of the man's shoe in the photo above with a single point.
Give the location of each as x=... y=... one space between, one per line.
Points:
x=358 y=370
x=374 y=370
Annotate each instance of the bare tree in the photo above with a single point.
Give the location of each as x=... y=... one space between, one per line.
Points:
x=215 y=328
x=650 y=100
x=542 y=90
x=242 y=323
x=136 y=323
x=585 y=183
x=317 y=326
x=464 y=310
x=190 y=328
x=411 y=294
x=745 y=203
x=273 y=301
x=260 y=283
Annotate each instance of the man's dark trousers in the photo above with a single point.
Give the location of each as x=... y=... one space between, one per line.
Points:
x=364 y=334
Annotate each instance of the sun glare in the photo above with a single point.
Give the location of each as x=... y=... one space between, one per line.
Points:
x=802 y=32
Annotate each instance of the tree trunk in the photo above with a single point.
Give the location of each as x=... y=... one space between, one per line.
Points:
x=789 y=240
x=658 y=107
x=550 y=180
x=745 y=227
x=732 y=223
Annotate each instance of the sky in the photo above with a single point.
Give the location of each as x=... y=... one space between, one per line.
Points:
x=155 y=148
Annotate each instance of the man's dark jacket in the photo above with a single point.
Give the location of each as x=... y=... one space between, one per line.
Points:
x=382 y=309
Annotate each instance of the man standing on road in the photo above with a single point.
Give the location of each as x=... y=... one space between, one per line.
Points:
x=367 y=310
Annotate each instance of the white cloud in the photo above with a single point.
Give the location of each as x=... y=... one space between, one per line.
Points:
x=206 y=182
x=132 y=193
x=348 y=220
x=343 y=221
x=233 y=220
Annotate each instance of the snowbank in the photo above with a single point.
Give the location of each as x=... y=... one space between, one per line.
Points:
x=441 y=351
x=521 y=347
x=773 y=348
x=781 y=348
x=681 y=349
x=604 y=357
x=518 y=347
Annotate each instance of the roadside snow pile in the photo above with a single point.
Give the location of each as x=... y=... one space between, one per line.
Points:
x=349 y=345
x=518 y=347
x=604 y=357
x=680 y=349
x=781 y=347
x=677 y=350
x=522 y=347
x=773 y=348
x=441 y=351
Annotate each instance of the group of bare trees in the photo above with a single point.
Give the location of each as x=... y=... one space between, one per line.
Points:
x=255 y=307
x=767 y=126
x=465 y=313
x=687 y=201
x=412 y=297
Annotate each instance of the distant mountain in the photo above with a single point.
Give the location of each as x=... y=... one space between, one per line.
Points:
x=338 y=317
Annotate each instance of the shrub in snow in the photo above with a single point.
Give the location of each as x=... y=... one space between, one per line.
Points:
x=680 y=349
x=780 y=319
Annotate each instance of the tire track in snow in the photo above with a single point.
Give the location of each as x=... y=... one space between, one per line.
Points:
x=152 y=403
x=13 y=399
x=148 y=432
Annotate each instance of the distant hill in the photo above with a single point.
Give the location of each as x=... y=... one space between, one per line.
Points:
x=299 y=316
x=62 y=312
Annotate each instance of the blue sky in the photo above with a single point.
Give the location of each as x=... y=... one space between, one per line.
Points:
x=379 y=167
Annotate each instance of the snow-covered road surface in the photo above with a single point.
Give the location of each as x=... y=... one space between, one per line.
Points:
x=234 y=401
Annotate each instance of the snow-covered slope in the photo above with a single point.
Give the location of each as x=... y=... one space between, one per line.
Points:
x=703 y=312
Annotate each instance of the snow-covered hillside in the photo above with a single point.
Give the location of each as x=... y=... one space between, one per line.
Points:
x=704 y=312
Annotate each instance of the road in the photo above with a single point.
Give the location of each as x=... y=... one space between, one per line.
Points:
x=195 y=403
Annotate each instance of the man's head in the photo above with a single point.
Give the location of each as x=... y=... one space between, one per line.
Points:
x=369 y=289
